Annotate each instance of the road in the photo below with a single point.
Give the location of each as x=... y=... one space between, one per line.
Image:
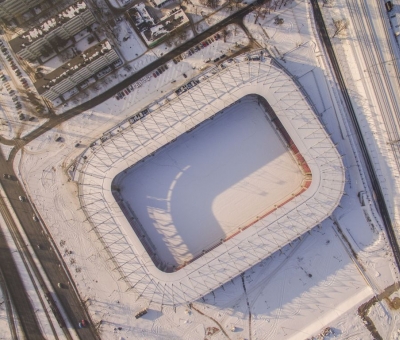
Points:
x=53 y=265
x=13 y=285
x=353 y=118
x=50 y=263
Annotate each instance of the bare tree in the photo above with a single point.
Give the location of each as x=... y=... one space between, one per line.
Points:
x=233 y=4
x=278 y=20
x=260 y=11
x=328 y=3
x=225 y=33
x=340 y=26
x=182 y=36
x=66 y=55
x=210 y=3
x=168 y=41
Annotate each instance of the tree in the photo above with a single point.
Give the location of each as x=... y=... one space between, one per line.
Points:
x=340 y=26
x=328 y=3
x=278 y=20
x=233 y=4
x=210 y=3
x=90 y=39
x=257 y=12
x=225 y=33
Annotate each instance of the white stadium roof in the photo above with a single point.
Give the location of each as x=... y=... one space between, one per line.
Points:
x=131 y=142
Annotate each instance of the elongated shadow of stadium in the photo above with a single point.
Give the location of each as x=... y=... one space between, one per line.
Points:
x=210 y=183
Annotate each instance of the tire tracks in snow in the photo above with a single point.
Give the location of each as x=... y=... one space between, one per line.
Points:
x=247 y=302
x=211 y=318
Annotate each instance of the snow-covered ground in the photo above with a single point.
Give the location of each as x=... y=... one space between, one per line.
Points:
x=285 y=301
x=130 y=44
x=373 y=84
x=191 y=66
x=184 y=197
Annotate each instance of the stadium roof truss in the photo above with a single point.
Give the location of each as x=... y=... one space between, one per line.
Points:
x=131 y=142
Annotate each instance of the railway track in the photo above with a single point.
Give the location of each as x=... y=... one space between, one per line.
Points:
x=8 y=306
x=322 y=31
x=34 y=275
x=379 y=77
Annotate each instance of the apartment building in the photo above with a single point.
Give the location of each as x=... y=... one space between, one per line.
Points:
x=11 y=8
x=33 y=43
x=76 y=70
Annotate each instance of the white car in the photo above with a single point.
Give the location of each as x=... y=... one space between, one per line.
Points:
x=21 y=198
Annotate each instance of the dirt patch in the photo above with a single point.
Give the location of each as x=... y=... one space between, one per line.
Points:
x=393 y=304
x=364 y=309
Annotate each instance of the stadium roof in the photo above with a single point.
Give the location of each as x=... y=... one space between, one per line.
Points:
x=97 y=167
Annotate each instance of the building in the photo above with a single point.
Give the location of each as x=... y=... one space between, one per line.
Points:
x=130 y=142
x=160 y=3
x=11 y=8
x=77 y=70
x=154 y=32
x=50 y=34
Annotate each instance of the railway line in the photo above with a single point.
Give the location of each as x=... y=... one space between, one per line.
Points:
x=13 y=287
x=34 y=274
x=320 y=24
x=377 y=67
x=50 y=262
x=8 y=306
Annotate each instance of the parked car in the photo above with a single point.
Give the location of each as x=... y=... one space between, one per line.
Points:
x=34 y=217
x=22 y=198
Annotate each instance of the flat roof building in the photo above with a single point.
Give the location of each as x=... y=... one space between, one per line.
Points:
x=33 y=43
x=160 y=3
x=12 y=8
x=77 y=70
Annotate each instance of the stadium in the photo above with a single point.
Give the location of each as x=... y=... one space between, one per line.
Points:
x=281 y=178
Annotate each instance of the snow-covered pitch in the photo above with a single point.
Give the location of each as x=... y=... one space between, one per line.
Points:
x=210 y=183
x=131 y=142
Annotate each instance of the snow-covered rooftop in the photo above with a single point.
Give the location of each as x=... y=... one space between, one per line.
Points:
x=38 y=32
x=129 y=143
x=72 y=66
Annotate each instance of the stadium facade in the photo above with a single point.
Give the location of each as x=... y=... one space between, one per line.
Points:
x=132 y=141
